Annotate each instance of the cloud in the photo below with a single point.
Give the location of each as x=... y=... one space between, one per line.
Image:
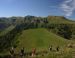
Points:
x=68 y=6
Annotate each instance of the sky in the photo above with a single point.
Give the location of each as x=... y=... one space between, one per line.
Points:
x=10 y=8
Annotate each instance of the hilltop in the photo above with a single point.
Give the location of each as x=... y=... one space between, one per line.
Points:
x=39 y=38
x=60 y=20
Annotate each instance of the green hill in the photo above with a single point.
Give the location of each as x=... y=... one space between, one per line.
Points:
x=59 y=20
x=39 y=38
x=21 y=34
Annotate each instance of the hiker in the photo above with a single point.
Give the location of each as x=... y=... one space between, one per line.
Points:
x=12 y=51
x=33 y=51
x=22 y=52
x=50 y=48
x=57 y=48
x=70 y=45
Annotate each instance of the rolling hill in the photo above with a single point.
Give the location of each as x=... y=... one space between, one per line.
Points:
x=59 y=20
x=39 y=38
x=22 y=35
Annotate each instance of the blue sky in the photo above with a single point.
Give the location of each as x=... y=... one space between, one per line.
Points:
x=10 y=8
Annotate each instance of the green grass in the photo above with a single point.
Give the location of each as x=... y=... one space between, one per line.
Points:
x=39 y=38
x=59 y=20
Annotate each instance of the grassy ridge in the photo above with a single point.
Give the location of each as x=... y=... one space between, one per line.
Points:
x=7 y=30
x=59 y=20
x=39 y=38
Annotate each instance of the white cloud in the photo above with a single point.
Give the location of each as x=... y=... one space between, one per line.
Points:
x=68 y=6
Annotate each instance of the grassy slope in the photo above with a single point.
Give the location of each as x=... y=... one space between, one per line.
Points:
x=7 y=30
x=39 y=38
x=59 y=20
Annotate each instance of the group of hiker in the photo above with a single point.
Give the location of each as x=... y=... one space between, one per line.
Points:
x=22 y=52
x=33 y=52
x=51 y=48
